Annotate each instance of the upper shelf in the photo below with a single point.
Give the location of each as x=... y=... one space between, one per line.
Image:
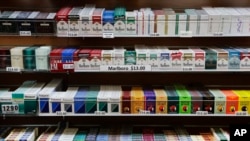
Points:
x=90 y=21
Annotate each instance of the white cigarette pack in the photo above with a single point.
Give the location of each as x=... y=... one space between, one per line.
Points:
x=131 y=22
x=153 y=57
x=118 y=54
x=114 y=106
x=107 y=57
x=164 y=60
x=199 y=59
x=237 y=21
x=181 y=18
x=214 y=20
x=170 y=25
x=192 y=21
x=187 y=59
x=140 y=23
x=68 y=100
x=17 y=57
x=222 y=58
x=246 y=20
x=226 y=21
x=42 y=57
x=203 y=22
x=160 y=20
x=74 y=21
x=141 y=55
x=176 y=59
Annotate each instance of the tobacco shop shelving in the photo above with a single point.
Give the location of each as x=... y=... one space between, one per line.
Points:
x=221 y=78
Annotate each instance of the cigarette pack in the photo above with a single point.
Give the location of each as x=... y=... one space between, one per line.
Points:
x=150 y=100
x=126 y=100
x=161 y=101
x=80 y=100
x=68 y=100
x=184 y=99
x=222 y=58
x=173 y=100
x=83 y=60
x=17 y=57
x=8 y=25
x=108 y=21
x=42 y=57
x=219 y=101
x=97 y=21
x=86 y=19
x=45 y=23
x=62 y=22
x=131 y=23
x=199 y=59
x=232 y=101
x=137 y=100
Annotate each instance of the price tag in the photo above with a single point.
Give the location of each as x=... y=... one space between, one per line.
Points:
x=10 y=109
x=73 y=34
x=100 y=112
x=187 y=69
x=144 y=112
x=241 y=113
x=68 y=66
x=13 y=69
x=61 y=113
x=129 y=68
x=201 y=113
x=186 y=34
x=108 y=35
x=25 y=33
x=218 y=33
x=154 y=34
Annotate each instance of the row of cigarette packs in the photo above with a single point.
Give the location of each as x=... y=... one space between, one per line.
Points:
x=113 y=99
x=89 y=20
x=160 y=58
x=124 y=133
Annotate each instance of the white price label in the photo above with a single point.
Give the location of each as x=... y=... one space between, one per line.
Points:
x=144 y=112
x=100 y=112
x=186 y=34
x=128 y=68
x=187 y=69
x=108 y=35
x=73 y=34
x=68 y=66
x=201 y=113
x=10 y=109
x=13 y=69
x=241 y=113
x=218 y=33
x=25 y=33
x=61 y=113
x=154 y=34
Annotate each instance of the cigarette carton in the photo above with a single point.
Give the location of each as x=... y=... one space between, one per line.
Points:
x=170 y=24
x=203 y=22
x=83 y=60
x=150 y=100
x=97 y=21
x=108 y=21
x=233 y=58
x=103 y=99
x=86 y=19
x=214 y=21
x=55 y=102
x=196 y=103
x=222 y=58
x=119 y=16
x=19 y=94
x=8 y=25
x=131 y=23
x=91 y=99
x=219 y=101
x=232 y=102
x=80 y=100
x=160 y=20
x=211 y=59
x=17 y=57
x=25 y=22
x=199 y=58
x=173 y=100
x=237 y=21
x=137 y=100
x=181 y=23
x=56 y=60
x=42 y=57
x=192 y=21
x=208 y=100
x=161 y=101
x=68 y=100
x=226 y=21
x=164 y=58
x=62 y=21
x=5 y=57
x=114 y=105
x=44 y=94
x=184 y=99
x=126 y=100
x=45 y=23
x=31 y=97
